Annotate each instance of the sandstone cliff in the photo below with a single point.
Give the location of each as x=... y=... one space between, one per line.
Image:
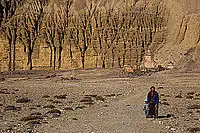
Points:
x=177 y=44
x=184 y=34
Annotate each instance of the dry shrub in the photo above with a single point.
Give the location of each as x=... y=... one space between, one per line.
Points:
x=49 y=106
x=23 y=100
x=53 y=113
x=29 y=118
x=60 y=96
x=13 y=108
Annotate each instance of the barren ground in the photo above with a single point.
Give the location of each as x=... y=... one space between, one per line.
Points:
x=97 y=101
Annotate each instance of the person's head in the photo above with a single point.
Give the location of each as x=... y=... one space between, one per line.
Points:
x=153 y=88
x=146 y=101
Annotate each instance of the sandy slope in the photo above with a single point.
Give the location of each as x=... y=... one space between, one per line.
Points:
x=114 y=104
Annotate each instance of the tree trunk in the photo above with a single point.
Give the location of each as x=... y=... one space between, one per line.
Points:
x=30 y=59
x=124 y=54
x=103 y=63
x=70 y=53
x=96 y=64
x=137 y=52
x=51 y=57
x=14 y=55
x=83 y=60
x=31 y=63
x=113 y=57
x=59 y=56
x=14 y=48
x=142 y=51
x=119 y=62
x=54 y=59
x=10 y=55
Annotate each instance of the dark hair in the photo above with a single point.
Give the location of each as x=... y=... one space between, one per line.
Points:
x=152 y=87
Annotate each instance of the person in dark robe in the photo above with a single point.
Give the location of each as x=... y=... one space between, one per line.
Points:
x=153 y=101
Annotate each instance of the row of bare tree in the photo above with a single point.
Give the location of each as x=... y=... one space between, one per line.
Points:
x=116 y=32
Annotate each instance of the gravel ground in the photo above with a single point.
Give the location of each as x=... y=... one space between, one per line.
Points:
x=97 y=101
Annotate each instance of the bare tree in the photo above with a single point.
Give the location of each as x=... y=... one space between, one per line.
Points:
x=10 y=26
x=63 y=23
x=1 y=13
x=31 y=24
x=85 y=26
x=55 y=28
x=49 y=31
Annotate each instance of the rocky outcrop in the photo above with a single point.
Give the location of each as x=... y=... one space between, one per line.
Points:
x=184 y=33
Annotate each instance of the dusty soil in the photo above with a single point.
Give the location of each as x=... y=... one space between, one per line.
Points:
x=97 y=101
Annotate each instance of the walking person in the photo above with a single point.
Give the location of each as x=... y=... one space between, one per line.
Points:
x=153 y=101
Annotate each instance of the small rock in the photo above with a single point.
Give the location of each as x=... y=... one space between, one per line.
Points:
x=49 y=106
x=161 y=87
x=60 y=96
x=54 y=113
x=168 y=127
x=173 y=129
x=36 y=114
x=56 y=102
x=190 y=93
x=51 y=76
x=13 y=108
x=10 y=129
x=80 y=107
x=195 y=106
x=105 y=105
x=189 y=97
x=45 y=96
x=165 y=103
x=75 y=119
x=162 y=95
x=38 y=106
x=193 y=130
x=100 y=98
x=164 y=100
x=189 y=112
x=4 y=92
x=179 y=96
x=29 y=118
x=65 y=78
x=2 y=79
x=89 y=103
x=111 y=95
x=32 y=123
x=68 y=108
x=23 y=100
x=170 y=115
x=87 y=99
x=32 y=108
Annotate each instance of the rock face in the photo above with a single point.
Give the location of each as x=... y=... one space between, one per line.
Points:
x=184 y=32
